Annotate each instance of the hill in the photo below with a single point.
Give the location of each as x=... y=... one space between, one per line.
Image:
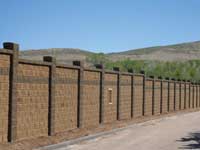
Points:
x=63 y=55
x=178 y=52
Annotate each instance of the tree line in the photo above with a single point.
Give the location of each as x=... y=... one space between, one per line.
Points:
x=184 y=70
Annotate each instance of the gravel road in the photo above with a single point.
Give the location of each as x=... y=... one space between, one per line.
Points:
x=171 y=133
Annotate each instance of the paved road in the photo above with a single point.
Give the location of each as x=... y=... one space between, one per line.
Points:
x=172 y=133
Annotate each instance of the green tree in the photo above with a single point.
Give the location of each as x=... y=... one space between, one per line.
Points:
x=99 y=58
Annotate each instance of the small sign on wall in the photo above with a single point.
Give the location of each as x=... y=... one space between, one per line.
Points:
x=110 y=100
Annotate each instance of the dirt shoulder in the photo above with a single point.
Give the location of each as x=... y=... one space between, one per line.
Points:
x=73 y=134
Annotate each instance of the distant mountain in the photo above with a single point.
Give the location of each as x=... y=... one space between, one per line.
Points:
x=184 y=47
x=184 y=51
x=63 y=55
x=180 y=52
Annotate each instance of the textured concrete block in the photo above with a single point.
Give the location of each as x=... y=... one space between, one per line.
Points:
x=138 y=96
x=125 y=99
x=4 y=96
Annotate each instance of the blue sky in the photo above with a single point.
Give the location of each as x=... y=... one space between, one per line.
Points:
x=99 y=25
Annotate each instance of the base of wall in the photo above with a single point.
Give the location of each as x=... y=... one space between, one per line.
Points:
x=76 y=133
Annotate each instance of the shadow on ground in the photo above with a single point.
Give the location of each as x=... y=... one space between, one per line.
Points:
x=192 y=141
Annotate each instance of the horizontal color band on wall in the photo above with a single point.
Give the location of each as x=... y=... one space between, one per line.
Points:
x=4 y=71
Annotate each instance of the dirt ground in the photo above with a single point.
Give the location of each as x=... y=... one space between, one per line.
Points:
x=30 y=144
x=181 y=131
